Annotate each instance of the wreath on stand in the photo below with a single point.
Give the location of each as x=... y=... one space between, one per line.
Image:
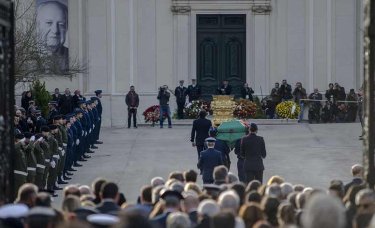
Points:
x=152 y=115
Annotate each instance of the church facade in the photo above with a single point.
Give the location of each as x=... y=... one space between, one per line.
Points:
x=150 y=43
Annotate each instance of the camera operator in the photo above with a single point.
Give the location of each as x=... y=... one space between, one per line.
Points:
x=163 y=97
x=315 y=106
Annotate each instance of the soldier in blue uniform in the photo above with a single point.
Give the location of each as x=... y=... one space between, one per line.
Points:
x=79 y=138
x=208 y=160
x=69 y=146
x=99 y=108
x=220 y=146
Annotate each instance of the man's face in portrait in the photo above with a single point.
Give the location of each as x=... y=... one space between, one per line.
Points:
x=52 y=24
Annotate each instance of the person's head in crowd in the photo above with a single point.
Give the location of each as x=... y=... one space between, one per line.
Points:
x=270 y=206
x=336 y=188
x=84 y=190
x=324 y=211
x=43 y=199
x=308 y=190
x=12 y=215
x=102 y=220
x=232 y=178
x=298 y=188
x=284 y=82
x=220 y=174
x=146 y=194
x=40 y=217
x=87 y=197
x=71 y=190
x=121 y=199
x=178 y=220
x=177 y=186
x=96 y=186
x=69 y=205
x=190 y=176
x=191 y=201
x=177 y=175
x=132 y=220
x=27 y=194
x=156 y=193
x=357 y=171
x=365 y=201
x=192 y=187
x=253 y=128
x=171 y=200
x=275 y=180
x=88 y=203
x=277 y=85
x=251 y=213
x=286 y=189
x=224 y=219
x=225 y=82
x=157 y=181
x=202 y=114
x=253 y=197
x=239 y=188
x=262 y=224
x=110 y=191
x=286 y=215
x=301 y=200
x=262 y=190
x=253 y=185
x=292 y=199
x=208 y=207
x=230 y=201
x=274 y=190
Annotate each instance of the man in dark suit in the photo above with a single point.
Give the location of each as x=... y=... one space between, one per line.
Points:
x=171 y=202
x=357 y=172
x=253 y=149
x=180 y=92
x=286 y=90
x=247 y=92
x=200 y=129
x=225 y=88
x=109 y=195
x=194 y=91
x=65 y=102
x=208 y=160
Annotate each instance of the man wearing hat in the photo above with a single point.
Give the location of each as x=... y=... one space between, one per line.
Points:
x=41 y=217
x=52 y=111
x=253 y=150
x=54 y=158
x=69 y=146
x=171 y=203
x=99 y=107
x=180 y=92
x=20 y=162
x=79 y=150
x=221 y=146
x=40 y=161
x=208 y=160
x=194 y=91
x=62 y=140
x=30 y=157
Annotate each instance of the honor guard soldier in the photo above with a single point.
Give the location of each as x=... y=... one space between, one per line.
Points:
x=40 y=161
x=54 y=159
x=79 y=141
x=208 y=160
x=70 y=147
x=180 y=92
x=30 y=157
x=194 y=91
x=99 y=107
x=62 y=139
x=20 y=163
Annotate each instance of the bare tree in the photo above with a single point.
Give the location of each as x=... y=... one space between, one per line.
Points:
x=32 y=62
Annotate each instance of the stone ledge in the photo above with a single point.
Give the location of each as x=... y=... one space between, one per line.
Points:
x=189 y=122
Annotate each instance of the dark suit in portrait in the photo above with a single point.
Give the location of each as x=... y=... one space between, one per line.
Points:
x=253 y=149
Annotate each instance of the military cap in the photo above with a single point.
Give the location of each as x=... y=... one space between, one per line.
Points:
x=94 y=98
x=103 y=219
x=27 y=135
x=99 y=91
x=77 y=110
x=45 y=129
x=81 y=102
x=210 y=139
x=19 y=136
x=58 y=117
x=13 y=211
x=41 y=211
x=52 y=127
x=89 y=102
x=170 y=193
x=52 y=103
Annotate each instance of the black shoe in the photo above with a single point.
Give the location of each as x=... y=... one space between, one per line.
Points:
x=66 y=177
x=82 y=160
x=98 y=142
x=77 y=165
x=56 y=188
x=90 y=152
x=86 y=156
x=68 y=174
x=135 y=126
x=61 y=181
x=94 y=147
x=128 y=127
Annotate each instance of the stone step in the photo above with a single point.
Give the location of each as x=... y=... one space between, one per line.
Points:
x=189 y=122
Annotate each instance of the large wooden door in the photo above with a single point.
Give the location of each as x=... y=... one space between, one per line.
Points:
x=221 y=51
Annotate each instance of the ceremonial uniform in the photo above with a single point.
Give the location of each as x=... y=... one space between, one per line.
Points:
x=54 y=161
x=40 y=164
x=194 y=92
x=208 y=160
x=62 y=148
x=20 y=166
x=180 y=92
x=31 y=162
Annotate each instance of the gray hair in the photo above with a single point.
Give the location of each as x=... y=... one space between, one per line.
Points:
x=365 y=193
x=156 y=181
x=274 y=190
x=324 y=211
x=229 y=200
x=177 y=186
x=178 y=220
x=208 y=207
x=232 y=178
x=286 y=189
x=156 y=193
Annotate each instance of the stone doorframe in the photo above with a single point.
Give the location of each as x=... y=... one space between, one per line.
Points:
x=257 y=37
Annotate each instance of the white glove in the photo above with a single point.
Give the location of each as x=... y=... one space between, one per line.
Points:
x=53 y=164
x=83 y=133
x=99 y=118
x=90 y=131
x=32 y=139
x=77 y=142
x=93 y=126
x=60 y=148
x=40 y=139
x=63 y=152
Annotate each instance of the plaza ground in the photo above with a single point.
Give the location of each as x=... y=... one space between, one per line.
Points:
x=301 y=153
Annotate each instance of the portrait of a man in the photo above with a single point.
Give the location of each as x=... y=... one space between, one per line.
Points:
x=52 y=27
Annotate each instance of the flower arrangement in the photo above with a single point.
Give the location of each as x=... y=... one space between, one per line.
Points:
x=192 y=109
x=152 y=114
x=245 y=109
x=288 y=110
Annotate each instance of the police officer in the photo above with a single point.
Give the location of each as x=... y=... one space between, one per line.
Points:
x=208 y=160
x=20 y=162
x=194 y=91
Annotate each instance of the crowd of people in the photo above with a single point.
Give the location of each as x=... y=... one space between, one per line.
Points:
x=180 y=202
x=50 y=147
